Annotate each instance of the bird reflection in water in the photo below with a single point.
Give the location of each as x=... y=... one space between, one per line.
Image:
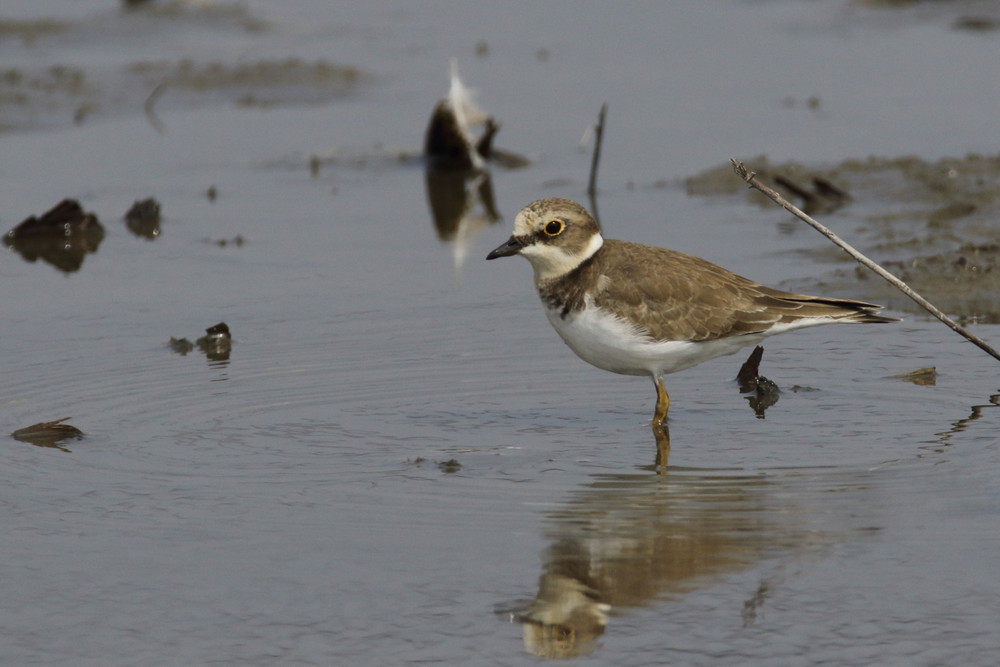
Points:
x=627 y=541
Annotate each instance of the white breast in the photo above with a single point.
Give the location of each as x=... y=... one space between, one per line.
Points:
x=613 y=344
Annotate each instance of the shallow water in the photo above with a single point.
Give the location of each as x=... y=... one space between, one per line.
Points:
x=296 y=503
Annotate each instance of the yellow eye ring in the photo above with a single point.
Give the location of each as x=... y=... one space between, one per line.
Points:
x=554 y=227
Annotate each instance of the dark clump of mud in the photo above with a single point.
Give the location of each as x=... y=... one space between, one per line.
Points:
x=62 y=236
x=933 y=224
x=48 y=434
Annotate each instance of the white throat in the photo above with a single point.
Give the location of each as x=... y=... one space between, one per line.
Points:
x=551 y=260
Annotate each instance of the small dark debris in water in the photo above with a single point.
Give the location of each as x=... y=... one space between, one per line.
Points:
x=812 y=102
x=143 y=219
x=976 y=23
x=237 y=241
x=181 y=345
x=825 y=197
x=67 y=218
x=217 y=343
x=924 y=377
x=449 y=466
x=48 y=434
x=450 y=142
x=950 y=212
x=764 y=392
x=482 y=48
x=212 y=193
x=82 y=111
x=830 y=190
x=62 y=236
x=747 y=376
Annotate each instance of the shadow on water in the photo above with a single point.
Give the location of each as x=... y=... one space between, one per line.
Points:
x=628 y=540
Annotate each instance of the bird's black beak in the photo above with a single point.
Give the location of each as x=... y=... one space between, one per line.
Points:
x=510 y=247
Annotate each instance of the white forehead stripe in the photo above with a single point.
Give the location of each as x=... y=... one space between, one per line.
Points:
x=522 y=226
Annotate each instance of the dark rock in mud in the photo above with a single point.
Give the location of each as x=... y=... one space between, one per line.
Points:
x=450 y=466
x=143 y=219
x=48 y=434
x=62 y=236
x=763 y=393
x=64 y=219
x=180 y=345
x=925 y=377
x=460 y=134
x=217 y=342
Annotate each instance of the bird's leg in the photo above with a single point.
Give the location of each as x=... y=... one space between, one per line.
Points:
x=659 y=424
x=662 y=404
x=662 y=437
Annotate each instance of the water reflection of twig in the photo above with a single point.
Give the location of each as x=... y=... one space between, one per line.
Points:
x=962 y=424
x=150 y=107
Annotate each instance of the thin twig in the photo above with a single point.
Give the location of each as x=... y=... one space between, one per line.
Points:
x=751 y=179
x=595 y=160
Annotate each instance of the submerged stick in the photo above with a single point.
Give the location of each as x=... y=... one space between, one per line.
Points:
x=751 y=178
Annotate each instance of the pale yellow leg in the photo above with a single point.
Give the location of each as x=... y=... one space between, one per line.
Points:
x=662 y=403
x=659 y=424
x=662 y=437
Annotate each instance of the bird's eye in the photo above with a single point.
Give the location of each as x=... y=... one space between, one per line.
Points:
x=554 y=227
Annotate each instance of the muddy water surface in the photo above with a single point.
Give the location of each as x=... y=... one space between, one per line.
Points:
x=398 y=461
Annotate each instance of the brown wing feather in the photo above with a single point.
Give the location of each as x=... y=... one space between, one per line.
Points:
x=674 y=296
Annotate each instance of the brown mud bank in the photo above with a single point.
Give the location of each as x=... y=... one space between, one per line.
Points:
x=934 y=224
